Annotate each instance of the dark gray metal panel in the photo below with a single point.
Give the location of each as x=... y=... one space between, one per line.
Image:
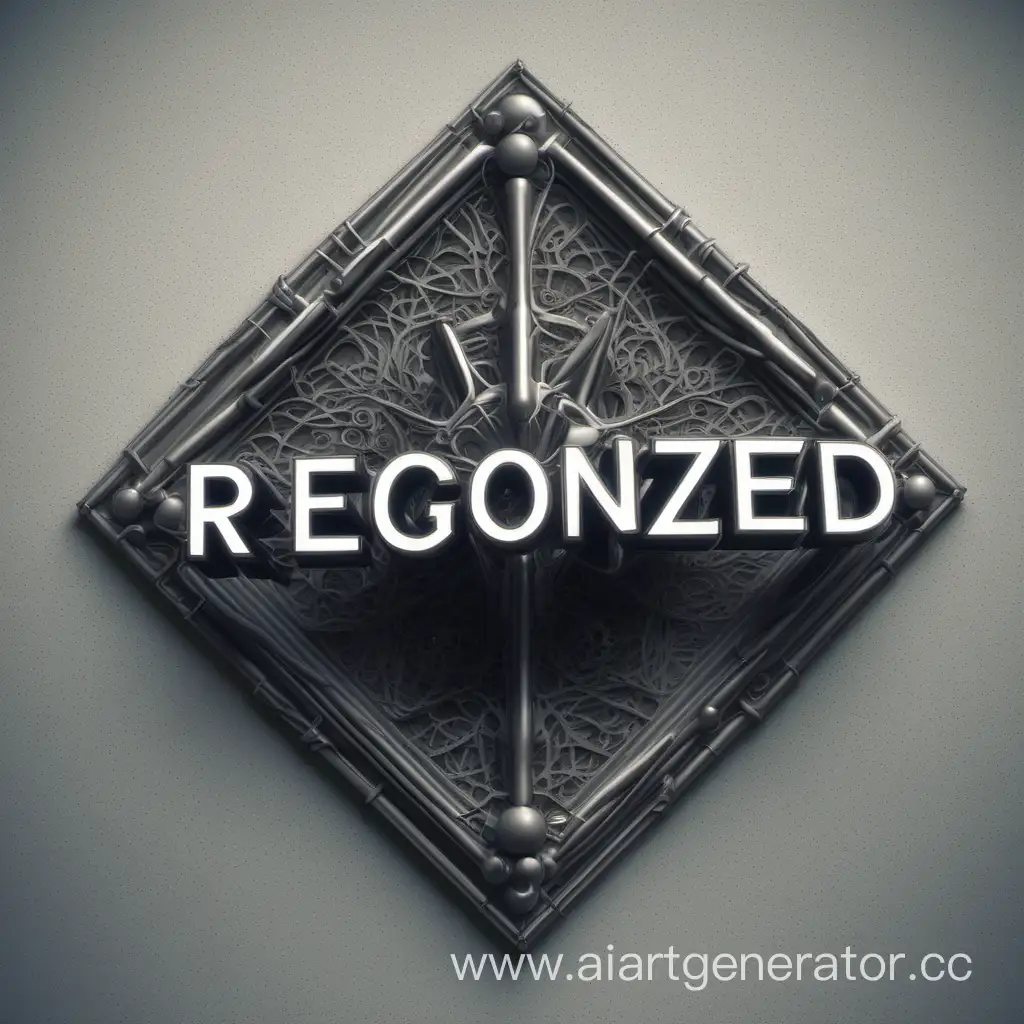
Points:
x=520 y=285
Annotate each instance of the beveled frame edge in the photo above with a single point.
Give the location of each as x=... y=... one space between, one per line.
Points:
x=825 y=391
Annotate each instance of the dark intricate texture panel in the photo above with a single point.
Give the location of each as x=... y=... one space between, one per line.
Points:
x=417 y=638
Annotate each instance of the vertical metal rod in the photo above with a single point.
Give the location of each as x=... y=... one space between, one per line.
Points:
x=518 y=325
x=519 y=581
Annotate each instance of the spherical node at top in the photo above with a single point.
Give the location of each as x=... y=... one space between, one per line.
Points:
x=519 y=108
x=517 y=155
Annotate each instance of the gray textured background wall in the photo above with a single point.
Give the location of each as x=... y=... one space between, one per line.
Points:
x=165 y=856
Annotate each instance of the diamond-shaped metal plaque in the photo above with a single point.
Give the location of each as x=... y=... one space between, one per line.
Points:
x=644 y=668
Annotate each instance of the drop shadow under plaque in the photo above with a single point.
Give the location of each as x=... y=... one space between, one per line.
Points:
x=645 y=667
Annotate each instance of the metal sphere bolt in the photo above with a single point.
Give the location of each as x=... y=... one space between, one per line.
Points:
x=519 y=110
x=127 y=504
x=918 y=491
x=519 y=901
x=495 y=869
x=549 y=864
x=493 y=122
x=517 y=155
x=709 y=718
x=528 y=870
x=521 y=830
x=170 y=513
